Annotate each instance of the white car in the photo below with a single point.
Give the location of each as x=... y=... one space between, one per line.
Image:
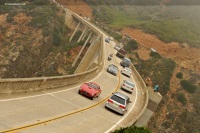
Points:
x=128 y=86
x=118 y=102
x=127 y=71
x=117 y=47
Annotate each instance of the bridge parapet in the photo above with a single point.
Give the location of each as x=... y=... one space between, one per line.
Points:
x=150 y=102
x=23 y=85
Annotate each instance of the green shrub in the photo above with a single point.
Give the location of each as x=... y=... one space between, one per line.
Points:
x=41 y=2
x=164 y=89
x=179 y=75
x=131 y=45
x=56 y=39
x=159 y=70
x=155 y=54
x=188 y=86
x=181 y=98
x=132 y=130
x=137 y=55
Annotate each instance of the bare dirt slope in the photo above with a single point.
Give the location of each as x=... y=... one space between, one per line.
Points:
x=183 y=55
x=78 y=6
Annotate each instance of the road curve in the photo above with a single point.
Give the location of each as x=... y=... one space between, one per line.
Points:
x=64 y=110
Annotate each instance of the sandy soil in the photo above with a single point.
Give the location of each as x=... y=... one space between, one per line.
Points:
x=183 y=55
x=77 y=6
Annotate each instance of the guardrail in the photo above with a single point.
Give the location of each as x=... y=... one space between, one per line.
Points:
x=143 y=86
x=42 y=83
x=144 y=93
x=8 y=86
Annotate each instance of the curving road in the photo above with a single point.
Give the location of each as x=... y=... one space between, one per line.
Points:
x=64 y=110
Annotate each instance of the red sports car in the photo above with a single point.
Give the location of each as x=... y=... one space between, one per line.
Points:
x=90 y=90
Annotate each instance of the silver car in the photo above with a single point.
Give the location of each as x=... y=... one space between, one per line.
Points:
x=128 y=86
x=112 y=69
x=117 y=47
x=127 y=71
x=118 y=102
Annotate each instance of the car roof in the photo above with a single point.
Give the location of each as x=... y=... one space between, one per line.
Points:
x=129 y=82
x=127 y=68
x=127 y=58
x=112 y=65
x=93 y=83
x=120 y=95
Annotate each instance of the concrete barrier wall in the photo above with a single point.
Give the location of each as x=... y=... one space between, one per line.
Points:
x=142 y=86
x=8 y=86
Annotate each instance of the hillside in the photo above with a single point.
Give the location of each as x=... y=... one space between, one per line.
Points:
x=33 y=41
x=29 y=48
x=175 y=68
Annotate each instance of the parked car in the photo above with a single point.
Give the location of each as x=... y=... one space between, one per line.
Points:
x=126 y=62
x=90 y=90
x=112 y=69
x=107 y=40
x=126 y=71
x=128 y=86
x=118 y=102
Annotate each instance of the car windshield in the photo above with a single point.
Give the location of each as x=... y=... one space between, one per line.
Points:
x=113 y=67
x=118 y=99
x=93 y=86
x=129 y=83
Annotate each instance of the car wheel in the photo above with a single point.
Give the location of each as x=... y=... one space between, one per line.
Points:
x=79 y=92
x=91 y=98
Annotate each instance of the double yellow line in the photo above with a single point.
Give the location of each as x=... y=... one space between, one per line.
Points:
x=62 y=116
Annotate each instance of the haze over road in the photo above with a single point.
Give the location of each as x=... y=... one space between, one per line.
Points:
x=64 y=110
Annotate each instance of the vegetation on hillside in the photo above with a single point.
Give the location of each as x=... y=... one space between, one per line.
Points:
x=169 y=23
x=180 y=106
x=34 y=40
x=132 y=129
x=159 y=69
x=143 y=2
x=183 y=106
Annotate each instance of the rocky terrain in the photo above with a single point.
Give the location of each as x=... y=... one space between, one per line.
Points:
x=33 y=42
x=182 y=111
x=26 y=50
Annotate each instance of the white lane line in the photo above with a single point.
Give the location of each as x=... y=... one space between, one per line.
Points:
x=118 y=123
x=20 y=98
x=101 y=116
x=61 y=99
